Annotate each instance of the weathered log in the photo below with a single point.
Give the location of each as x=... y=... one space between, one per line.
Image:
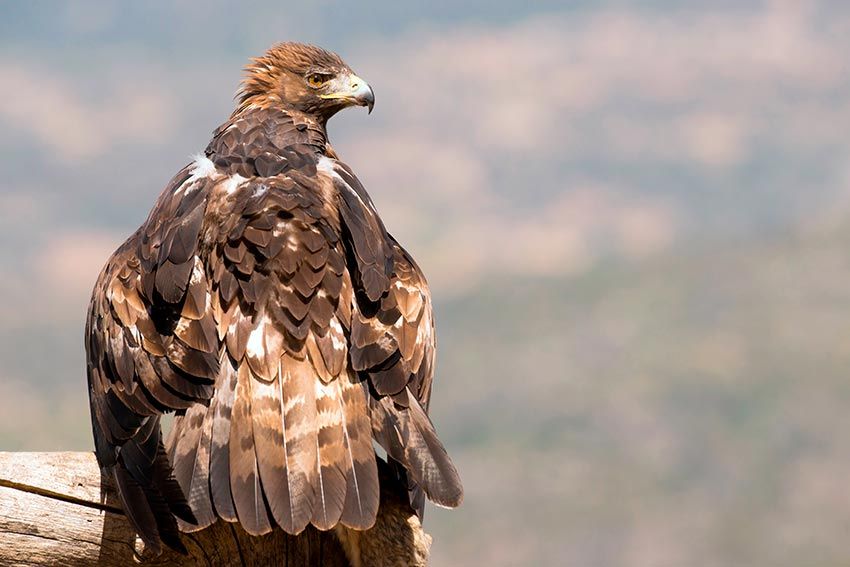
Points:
x=55 y=509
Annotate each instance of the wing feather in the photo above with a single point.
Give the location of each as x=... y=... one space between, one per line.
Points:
x=392 y=343
x=139 y=368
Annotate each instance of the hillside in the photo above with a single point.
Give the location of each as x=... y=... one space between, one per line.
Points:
x=689 y=410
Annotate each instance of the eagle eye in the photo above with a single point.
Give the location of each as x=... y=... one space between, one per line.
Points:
x=316 y=80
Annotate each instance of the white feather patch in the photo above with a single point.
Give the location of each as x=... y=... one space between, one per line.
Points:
x=203 y=167
x=336 y=335
x=232 y=182
x=326 y=165
x=256 y=346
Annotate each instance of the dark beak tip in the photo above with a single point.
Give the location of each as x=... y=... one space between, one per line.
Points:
x=370 y=101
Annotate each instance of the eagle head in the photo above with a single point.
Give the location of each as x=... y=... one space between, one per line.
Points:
x=305 y=78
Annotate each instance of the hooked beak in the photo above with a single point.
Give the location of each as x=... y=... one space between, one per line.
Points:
x=353 y=90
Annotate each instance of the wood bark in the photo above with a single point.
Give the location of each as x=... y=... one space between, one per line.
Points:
x=55 y=509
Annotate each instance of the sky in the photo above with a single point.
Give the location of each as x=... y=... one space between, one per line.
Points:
x=526 y=153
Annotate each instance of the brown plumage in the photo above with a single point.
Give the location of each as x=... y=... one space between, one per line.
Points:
x=264 y=302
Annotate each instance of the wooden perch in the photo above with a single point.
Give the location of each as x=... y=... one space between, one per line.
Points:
x=56 y=510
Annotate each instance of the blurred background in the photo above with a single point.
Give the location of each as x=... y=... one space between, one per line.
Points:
x=635 y=218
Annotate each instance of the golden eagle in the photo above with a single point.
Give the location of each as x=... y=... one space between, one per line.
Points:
x=266 y=304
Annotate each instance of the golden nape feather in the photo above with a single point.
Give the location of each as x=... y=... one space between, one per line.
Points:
x=265 y=303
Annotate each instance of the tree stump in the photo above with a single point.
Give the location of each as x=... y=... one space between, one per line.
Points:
x=55 y=509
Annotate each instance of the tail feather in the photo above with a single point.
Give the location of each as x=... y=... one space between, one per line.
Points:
x=331 y=468
x=317 y=464
x=293 y=450
x=362 y=493
x=222 y=496
x=269 y=442
x=298 y=424
x=244 y=468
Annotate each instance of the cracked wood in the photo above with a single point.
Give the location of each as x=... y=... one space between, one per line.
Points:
x=55 y=510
